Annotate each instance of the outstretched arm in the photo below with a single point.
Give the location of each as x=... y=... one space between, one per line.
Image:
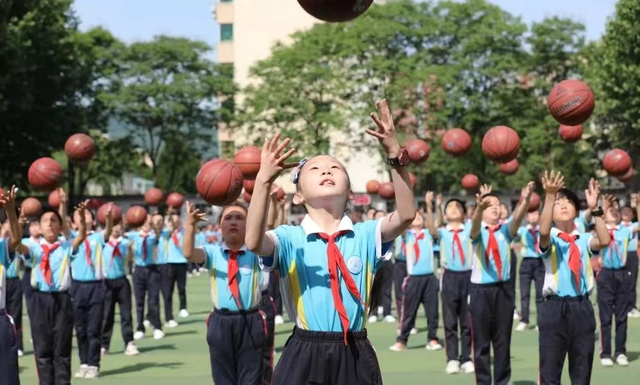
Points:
x=192 y=253
x=521 y=209
x=82 y=228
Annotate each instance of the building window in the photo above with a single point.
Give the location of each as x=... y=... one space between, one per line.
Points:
x=227 y=149
x=226 y=32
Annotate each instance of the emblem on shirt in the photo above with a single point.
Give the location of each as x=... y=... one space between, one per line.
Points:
x=354 y=265
x=246 y=270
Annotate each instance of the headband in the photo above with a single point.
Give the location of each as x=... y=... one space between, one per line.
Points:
x=295 y=174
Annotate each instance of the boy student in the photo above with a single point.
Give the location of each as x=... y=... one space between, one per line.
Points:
x=567 y=323
x=632 y=256
x=13 y=287
x=615 y=284
x=531 y=267
x=51 y=306
x=491 y=298
x=421 y=284
x=455 y=256
x=178 y=263
x=88 y=289
x=164 y=270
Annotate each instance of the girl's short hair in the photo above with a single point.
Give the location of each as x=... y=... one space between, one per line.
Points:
x=55 y=213
x=454 y=200
x=235 y=204
x=570 y=196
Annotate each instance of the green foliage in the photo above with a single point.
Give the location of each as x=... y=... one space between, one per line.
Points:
x=178 y=166
x=441 y=65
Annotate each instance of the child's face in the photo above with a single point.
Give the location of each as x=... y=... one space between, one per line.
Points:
x=116 y=231
x=233 y=224
x=418 y=221
x=470 y=211
x=158 y=221
x=87 y=217
x=454 y=212
x=613 y=214
x=34 y=229
x=504 y=211
x=491 y=214
x=563 y=210
x=533 y=217
x=324 y=181
x=370 y=213
x=177 y=221
x=379 y=215
x=51 y=226
x=627 y=214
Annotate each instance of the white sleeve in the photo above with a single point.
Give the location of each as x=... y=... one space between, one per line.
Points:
x=270 y=263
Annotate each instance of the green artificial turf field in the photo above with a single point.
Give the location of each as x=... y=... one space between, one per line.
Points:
x=182 y=357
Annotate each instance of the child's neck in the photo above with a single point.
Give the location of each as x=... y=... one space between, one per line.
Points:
x=455 y=224
x=328 y=221
x=612 y=223
x=416 y=229
x=565 y=227
x=234 y=245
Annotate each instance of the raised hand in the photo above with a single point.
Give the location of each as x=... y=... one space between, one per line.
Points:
x=386 y=132
x=481 y=204
x=439 y=200
x=608 y=201
x=109 y=211
x=272 y=162
x=591 y=194
x=552 y=182
x=485 y=189
x=8 y=200
x=194 y=215
x=22 y=219
x=80 y=209
x=62 y=195
x=428 y=199
x=527 y=190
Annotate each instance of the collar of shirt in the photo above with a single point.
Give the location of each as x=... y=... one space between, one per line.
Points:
x=529 y=227
x=556 y=231
x=309 y=226
x=616 y=227
x=486 y=225
x=451 y=228
x=44 y=242
x=226 y=248
x=119 y=239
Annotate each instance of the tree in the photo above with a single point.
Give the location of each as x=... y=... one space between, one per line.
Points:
x=441 y=65
x=178 y=165
x=168 y=89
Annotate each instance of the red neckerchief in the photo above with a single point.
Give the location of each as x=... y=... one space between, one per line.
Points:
x=175 y=239
x=534 y=234
x=613 y=244
x=116 y=252
x=336 y=262
x=457 y=244
x=416 y=247
x=494 y=250
x=575 y=260
x=144 y=246
x=232 y=275
x=45 y=266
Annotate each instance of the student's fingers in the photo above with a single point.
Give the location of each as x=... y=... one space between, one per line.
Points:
x=281 y=146
x=378 y=122
x=285 y=156
x=274 y=142
x=265 y=145
x=376 y=134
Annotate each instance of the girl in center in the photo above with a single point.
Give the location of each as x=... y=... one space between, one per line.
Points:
x=327 y=264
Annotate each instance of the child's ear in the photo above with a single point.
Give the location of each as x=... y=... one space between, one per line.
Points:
x=352 y=196
x=298 y=199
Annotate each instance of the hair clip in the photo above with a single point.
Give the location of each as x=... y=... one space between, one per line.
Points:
x=295 y=174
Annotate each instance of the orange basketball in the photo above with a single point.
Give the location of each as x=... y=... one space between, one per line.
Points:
x=249 y=184
x=628 y=176
x=154 y=196
x=456 y=142
x=136 y=216
x=387 y=191
x=248 y=161
x=470 y=182
x=617 y=162
x=116 y=213
x=31 y=207
x=570 y=134
x=571 y=102
x=418 y=150
x=372 y=186
x=501 y=144
x=510 y=167
x=54 y=199
x=219 y=182
x=175 y=200
x=80 y=148
x=534 y=202
x=335 y=10
x=45 y=174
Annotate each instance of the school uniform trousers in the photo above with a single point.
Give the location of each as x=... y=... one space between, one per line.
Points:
x=531 y=269
x=88 y=309
x=419 y=289
x=118 y=291
x=27 y=289
x=632 y=265
x=274 y=291
x=166 y=282
x=567 y=327
x=9 y=369
x=513 y=268
x=14 y=307
x=454 y=292
x=322 y=358
x=615 y=287
x=52 y=331
x=491 y=309
x=399 y=274
x=241 y=344
x=178 y=278
x=387 y=284
x=146 y=286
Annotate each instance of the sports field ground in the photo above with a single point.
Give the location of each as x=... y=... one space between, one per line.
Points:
x=182 y=357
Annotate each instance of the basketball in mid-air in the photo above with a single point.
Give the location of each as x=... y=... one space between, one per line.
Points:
x=249 y=184
x=136 y=216
x=154 y=196
x=456 y=142
x=247 y=159
x=418 y=150
x=628 y=176
x=616 y=162
x=31 y=207
x=571 y=102
x=175 y=200
x=80 y=148
x=510 y=167
x=219 y=182
x=470 y=182
x=45 y=174
x=534 y=202
x=570 y=134
x=54 y=199
x=387 y=191
x=335 y=10
x=501 y=144
x=116 y=213
x=372 y=186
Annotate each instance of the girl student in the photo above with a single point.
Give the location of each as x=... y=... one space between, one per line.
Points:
x=240 y=328
x=567 y=322
x=615 y=284
x=51 y=306
x=421 y=283
x=531 y=267
x=327 y=264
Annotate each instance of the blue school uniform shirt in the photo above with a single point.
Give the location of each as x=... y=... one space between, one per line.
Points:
x=60 y=261
x=425 y=262
x=162 y=250
x=200 y=239
x=300 y=257
x=174 y=241
x=114 y=263
x=252 y=281
x=143 y=256
x=483 y=267
x=529 y=237
x=581 y=223
x=399 y=249
x=6 y=259
x=614 y=256
x=450 y=257
x=88 y=266
x=633 y=244
x=559 y=279
x=27 y=242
